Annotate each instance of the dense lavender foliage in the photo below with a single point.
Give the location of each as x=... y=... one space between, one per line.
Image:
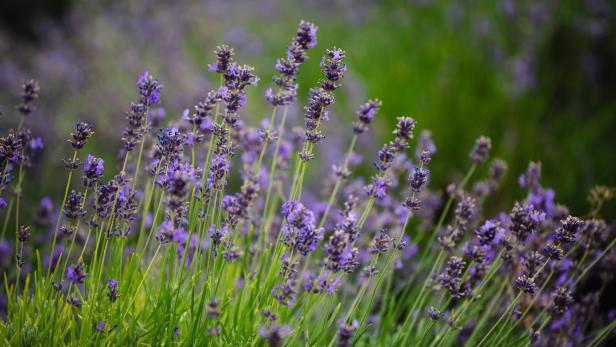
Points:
x=205 y=233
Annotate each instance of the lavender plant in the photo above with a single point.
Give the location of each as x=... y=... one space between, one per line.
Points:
x=203 y=235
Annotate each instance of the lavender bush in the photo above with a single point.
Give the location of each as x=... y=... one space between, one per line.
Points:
x=207 y=233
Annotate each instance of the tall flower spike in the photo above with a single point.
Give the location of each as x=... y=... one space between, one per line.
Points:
x=525 y=221
x=149 y=89
x=224 y=59
x=346 y=333
x=333 y=68
x=403 y=132
x=30 y=92
x=306 y=35
x=288 y=67
x=136 y=126
x=93 y=170
x=73 y=208
x=23 y=235
x=481 y=151
x=275 y=334
x=171 y=143
x=76 y=273
x=83 y=131
x=365 y=114
x=451 y=277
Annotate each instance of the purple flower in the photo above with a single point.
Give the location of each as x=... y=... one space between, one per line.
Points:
x=136 y=127
x=525 y=221
x=237 y=77
x=171 y=143
x=404 y=129
x=149 y=89
x=299 y=231
x=488 y=231
x=451 y=277
x=100 y=327
x=76 y=274
x=23 y=234
x=346 y=333
x=418 y=179
x=481 y=151
x=561 y=300
x=83 y=131
x=113 y=292
x=526 y=284
x=338 y=251
x=497 y=169
x=204 y=110
x=333 y=68
x=530 y=179
x=434 y=313
x=30 y=92
x=73 y=208
x=365 y=114
x=378 y=187
x=568 y=229
x=93 y=170
x=381 y=243
x=306 y=35
x=426 y=147
x=224 y=59
x=274 y=334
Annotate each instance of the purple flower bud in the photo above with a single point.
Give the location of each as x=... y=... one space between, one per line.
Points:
x=404 y=129
x=488 y=231
x=275 y=334
x=333 y=68
x=418 y=179
x=530 y=179
x=306 y=35
x=76 y=274
x=526 y=284
x=567 y=231
x=30 y=92
x=346 y=333
x=83 y=131
x=171 y=143
x=561 y=300
x=100 y=327
x=497 y=169
x=381 y=243
x=93 y=170
x=113 y=292
x=136 y=127
x=451 y=277
x=73 y=208
x=481 y=151
x=23 y=234
x=525 y=221
x=149 y=89
x=378 y=187
x=365 y=115
x=224 y=59
x=434 y=313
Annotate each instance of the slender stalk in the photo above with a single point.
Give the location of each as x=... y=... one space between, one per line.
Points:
x=338 y=183
x=55 y=233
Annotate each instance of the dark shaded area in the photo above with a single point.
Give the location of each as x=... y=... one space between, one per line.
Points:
x=21 y=17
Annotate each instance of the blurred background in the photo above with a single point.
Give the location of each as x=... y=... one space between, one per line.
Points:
x=538 y=77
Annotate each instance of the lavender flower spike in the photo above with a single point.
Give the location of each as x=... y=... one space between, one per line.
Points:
x=83 y=131
x=481 y=151
x=93 y=170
